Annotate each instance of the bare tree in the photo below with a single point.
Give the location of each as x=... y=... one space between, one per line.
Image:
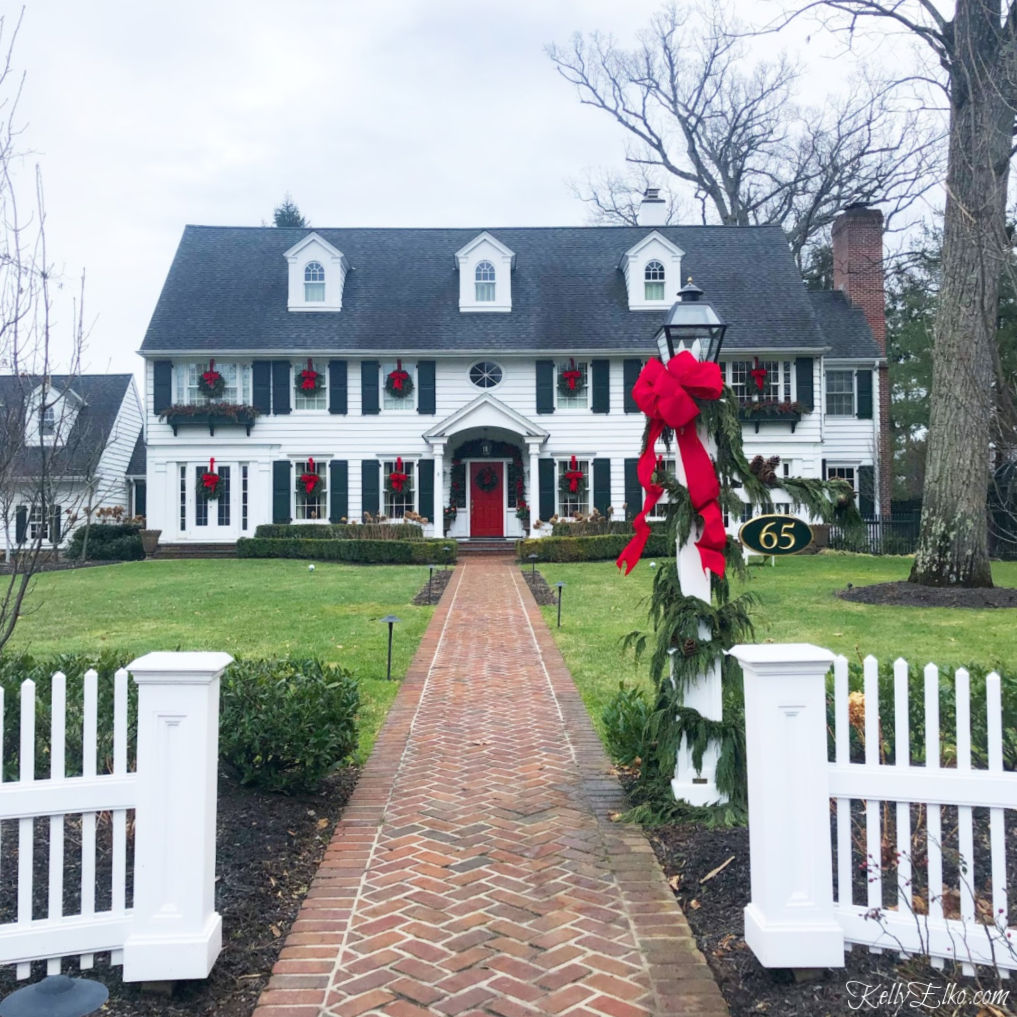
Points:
x=733 y=136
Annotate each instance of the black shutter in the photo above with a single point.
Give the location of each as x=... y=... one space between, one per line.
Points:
x=261 y=385
x=601 y=485
x=633 y=490
x=337 y=387
x=162 y=385
x=280 y=386
x=545 y=471
x=339 y=489
x=21 y=524
x=545 y=386
x=630 y=372
x=370 y=492
x=864 y=395
x=369 y=371
x=54 y=525
x=866 y=492
x=823 y=468
x=425 y=390
x=601 y=389
x=803 y=382
x=425 y=488
x=281 y=491
x=140 y=498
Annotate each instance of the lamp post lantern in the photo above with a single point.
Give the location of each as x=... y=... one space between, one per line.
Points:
x=533 y=564
x=693 y=325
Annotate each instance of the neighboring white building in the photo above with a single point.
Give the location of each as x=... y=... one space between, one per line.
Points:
x=66 y=445
x=518 y=349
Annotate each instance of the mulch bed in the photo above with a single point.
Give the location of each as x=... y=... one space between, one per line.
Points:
x=542 y=593
x=431 y=594
x=912 y=595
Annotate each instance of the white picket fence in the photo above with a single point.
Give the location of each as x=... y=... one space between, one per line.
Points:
x=934 y=878
x=171 y=931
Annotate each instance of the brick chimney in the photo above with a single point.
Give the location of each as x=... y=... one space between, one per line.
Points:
x=652 y=209
x=858 y=272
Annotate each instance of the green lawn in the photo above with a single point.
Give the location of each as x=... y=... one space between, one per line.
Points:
x=246 y=607
x=796 y=604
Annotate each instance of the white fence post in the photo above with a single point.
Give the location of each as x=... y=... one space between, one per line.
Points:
x=790 y=920
x=176 y=932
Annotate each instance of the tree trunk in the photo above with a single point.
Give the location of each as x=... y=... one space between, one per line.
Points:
x=953 y=541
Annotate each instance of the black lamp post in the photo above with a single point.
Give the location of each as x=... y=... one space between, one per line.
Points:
x=560 y=586
x=448 y=552
x=56 y=996
x=533 y=564
x=430 y=576
x=693 y=325
x=391 y=619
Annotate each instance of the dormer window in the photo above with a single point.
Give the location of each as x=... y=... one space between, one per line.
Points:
x=653 y=281
x=484 y=277
x=314 y=282
x=48 y=421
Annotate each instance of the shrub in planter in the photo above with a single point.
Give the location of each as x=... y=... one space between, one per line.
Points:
x=284 y=724
x=107 y=542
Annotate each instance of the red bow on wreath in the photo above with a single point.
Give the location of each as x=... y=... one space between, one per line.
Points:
x=211 y=377
x=758 y=374
x=573 y=475
x=397 y=478
x=309 y=379
x=210 y=479
x=571 y=378
x=310 y=479
x=398 y=377
x=665 y=395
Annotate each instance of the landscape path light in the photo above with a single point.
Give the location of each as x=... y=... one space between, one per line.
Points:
x=560 y=586
x=56 y=996
x=430 y=576
x=533 y=564
x=391 y=620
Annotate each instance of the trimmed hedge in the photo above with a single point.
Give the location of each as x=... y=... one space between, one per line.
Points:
x=589 y=528
x=364 y=552
x=605 y=548
x=107 y=542
x=341 y=531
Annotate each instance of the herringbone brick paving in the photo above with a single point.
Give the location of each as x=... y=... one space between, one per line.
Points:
x=475 y=870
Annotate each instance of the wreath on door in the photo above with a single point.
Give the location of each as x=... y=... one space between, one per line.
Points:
x=487 y=479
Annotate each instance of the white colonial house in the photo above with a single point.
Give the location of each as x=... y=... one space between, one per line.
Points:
x=68 y=446
x=413 y=369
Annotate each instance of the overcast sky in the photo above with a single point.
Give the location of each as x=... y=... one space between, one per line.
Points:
x=147 y=116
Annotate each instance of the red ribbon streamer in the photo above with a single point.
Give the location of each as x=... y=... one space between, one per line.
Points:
x=573 y=475
x=572 y=376
x=210 y=479
x=397 y=478
x=758 y=374
x=399 y=377
x=665 y=395
x=310 y=479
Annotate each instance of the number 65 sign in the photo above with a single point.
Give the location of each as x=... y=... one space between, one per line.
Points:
x=775 y=534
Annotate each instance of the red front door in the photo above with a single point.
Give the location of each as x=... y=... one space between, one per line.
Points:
x=487 y=499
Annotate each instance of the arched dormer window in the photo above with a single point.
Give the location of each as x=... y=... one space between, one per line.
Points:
x=314 y=282
x=484 y=280
x=653 y=281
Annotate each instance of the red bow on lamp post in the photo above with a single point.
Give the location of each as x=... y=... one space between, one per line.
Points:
x=758 y=374
x=310 y=479
x=397 y=478
x=573 y=475
x=665 y=395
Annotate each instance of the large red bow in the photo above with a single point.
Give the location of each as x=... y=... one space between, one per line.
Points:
x=309 y=378
x=399 y=377
x=572 y=377
x=573 y=475
x=310 y=478
x=210 y=478
x=665 y=395
x=758 y=374
x=397 y=478
x=211 y=377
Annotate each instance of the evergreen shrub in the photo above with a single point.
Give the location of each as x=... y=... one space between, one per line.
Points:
x=364 y=552
x=605 y=548
x=107 y=542
x=341 y=531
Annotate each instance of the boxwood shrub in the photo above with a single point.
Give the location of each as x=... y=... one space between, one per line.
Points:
x=605 y=548
x=107 y=542
x=341 y=531
x=601 y=527
x=364 y=552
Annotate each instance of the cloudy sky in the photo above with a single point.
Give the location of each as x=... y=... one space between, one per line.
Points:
x=147 y=116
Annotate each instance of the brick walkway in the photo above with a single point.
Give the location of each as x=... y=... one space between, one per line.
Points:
x=475 y=870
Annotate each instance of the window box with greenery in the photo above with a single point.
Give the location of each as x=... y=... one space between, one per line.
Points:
x=786 y=412
x=209 y=415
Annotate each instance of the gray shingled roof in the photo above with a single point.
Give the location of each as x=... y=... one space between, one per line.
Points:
x=101 y=395
x=844 y=325
x=227 y=291
x=139 y=459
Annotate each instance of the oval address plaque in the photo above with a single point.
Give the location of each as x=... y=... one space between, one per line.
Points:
x=775 y=534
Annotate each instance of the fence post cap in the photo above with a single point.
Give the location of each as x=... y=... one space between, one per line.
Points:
x=184 y=668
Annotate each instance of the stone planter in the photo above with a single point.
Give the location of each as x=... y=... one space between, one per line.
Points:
x=149 y=541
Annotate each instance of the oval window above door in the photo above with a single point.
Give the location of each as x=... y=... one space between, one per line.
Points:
x=485 y=374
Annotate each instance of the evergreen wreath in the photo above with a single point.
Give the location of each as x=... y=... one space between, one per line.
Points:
x=309 y=381
x=570 y=380
x=573 y=480
x=397 y=479
x=208 y=483
x=211 y=384
x=487 y=479
x=310 y=482
x=398 y=383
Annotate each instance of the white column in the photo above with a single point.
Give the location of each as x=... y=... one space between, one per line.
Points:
x=533 y=491
x=705 y=693
x=176 y=932
x=790 y=921
x=440 y=499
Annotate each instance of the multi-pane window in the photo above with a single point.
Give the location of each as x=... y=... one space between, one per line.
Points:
x=236 y=376
x=48 y=420
x=840 y=393
x=398 y=503
x=653 y=281
x=394 y=402
x=222 y=503
x=841 y=473
x=304 y=399
x=580 y=398
x=200 y=502
x=669 y=464
x=776 y=378
x=183 y=497
x=571 y=502
x=314 y=282
x=243 y=497
x=483 y=280
x=39 y=519
x=311 y=507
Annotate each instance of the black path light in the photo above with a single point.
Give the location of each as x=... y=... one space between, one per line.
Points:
x=448 y=555
x=391 y=619
x=560 y=586
x=533 y=564
x=430 y=576
x=56 y=996
x=693 y=325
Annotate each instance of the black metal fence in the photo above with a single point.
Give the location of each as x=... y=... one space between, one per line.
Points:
x=896 y=535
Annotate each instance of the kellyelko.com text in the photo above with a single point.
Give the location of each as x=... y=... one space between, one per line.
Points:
x=920 y=996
